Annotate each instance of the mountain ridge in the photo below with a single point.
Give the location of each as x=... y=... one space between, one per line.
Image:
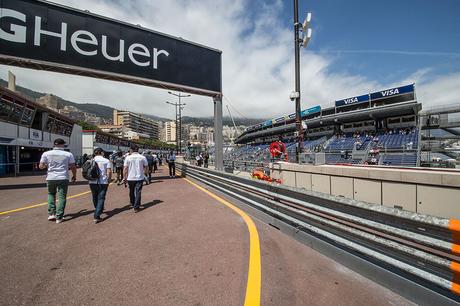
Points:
x=106 y=112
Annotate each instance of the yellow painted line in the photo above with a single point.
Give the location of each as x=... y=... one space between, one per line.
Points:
x=42 y=204
x=254 y=272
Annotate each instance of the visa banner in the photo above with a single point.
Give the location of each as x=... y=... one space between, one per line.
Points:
x=392 y=92
x=352 y=100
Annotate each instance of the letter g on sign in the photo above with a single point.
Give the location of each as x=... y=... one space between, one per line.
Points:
x=19 y=32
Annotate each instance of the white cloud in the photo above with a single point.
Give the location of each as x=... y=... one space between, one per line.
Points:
x=258 y=67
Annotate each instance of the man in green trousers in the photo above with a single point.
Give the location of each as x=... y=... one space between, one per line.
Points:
x=58 y=162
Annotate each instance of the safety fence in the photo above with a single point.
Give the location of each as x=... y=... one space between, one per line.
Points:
x=420 y=248
x=245 y=166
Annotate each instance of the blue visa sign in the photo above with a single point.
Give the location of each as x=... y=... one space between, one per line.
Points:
x=352 y=100
x=392 y=92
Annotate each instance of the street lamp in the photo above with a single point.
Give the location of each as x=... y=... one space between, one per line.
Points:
x=306 y=36
x=175 y=105
x=179 y=95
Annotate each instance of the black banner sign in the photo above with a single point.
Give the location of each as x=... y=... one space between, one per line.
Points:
x=47 y=33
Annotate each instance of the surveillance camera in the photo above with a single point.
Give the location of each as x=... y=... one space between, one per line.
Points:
x=294 y=95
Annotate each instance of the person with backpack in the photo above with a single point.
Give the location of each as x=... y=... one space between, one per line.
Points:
x=98 y=171
x=135 y=169
x=171 y=159
x=58 y=162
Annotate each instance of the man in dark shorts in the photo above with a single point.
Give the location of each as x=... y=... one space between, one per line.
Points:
x=118 y=162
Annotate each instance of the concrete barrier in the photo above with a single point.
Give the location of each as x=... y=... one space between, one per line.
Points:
x=429 y=191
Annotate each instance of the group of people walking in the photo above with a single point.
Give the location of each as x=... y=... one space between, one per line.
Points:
x=202 y=159
x=132 y=170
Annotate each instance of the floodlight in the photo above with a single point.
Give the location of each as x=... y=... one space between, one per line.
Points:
x=306 y=38
x=306 y=22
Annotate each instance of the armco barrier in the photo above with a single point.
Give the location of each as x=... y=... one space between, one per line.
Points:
x=422 y=248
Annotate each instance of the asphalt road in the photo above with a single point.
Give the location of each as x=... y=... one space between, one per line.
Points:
x=183 y=248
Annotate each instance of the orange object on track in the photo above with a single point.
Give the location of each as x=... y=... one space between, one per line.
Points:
x=260 y=175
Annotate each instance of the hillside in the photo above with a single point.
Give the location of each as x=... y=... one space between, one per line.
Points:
x=106 y=112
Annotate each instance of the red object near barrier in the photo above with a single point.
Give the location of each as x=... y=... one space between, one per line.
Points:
x=278 y=149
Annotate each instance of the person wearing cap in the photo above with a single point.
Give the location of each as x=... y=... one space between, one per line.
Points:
x=135 y=169
x=58 y=162
x=99 y=187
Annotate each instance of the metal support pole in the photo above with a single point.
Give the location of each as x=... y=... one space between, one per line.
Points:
x=178 y=119
x=180 y=127
x=18 y=161
x=177 y=139
x=298 y=118
x=218 y=137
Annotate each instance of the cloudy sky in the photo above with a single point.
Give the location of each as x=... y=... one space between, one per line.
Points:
x=357 y=47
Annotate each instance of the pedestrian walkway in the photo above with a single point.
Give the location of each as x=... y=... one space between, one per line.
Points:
x=185 y=247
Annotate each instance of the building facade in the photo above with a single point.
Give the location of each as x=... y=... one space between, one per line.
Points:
x=28 y=129
x=137 y=123
x=170 y=132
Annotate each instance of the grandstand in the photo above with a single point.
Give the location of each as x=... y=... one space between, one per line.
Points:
x=380 y=128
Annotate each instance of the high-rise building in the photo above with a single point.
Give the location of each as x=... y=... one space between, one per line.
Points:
x=136 y=123
x=170 y=132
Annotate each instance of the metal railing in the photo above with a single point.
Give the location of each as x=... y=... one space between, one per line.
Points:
x=245 y=166
x=422 y=248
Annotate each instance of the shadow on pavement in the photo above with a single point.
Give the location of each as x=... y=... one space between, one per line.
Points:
x=109 y=214
x=81 y=213
x=116 y=211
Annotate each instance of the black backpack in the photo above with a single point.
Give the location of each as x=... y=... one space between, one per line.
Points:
x=90 y=170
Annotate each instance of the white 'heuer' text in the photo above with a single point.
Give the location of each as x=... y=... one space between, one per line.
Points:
x=138 y=54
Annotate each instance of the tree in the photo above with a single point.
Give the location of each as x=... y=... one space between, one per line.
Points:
x=87 y=126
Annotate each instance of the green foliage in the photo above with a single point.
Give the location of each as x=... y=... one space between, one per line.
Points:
x=157 y=144
x=87 y=126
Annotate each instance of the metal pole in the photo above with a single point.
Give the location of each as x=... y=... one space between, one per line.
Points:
x=180 y=126
x=177 y=144
x=298 y=119
x=218 y=137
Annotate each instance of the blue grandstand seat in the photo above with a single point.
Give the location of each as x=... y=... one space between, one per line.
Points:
x=409 y=160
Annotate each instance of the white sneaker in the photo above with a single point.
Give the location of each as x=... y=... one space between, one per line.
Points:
x=51 y=217
x=59 y=220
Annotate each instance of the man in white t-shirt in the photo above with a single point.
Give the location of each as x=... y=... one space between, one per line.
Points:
x=58 y=162
x=99 y=187
x=135 y=168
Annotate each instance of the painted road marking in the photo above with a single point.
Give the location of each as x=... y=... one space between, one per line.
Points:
x=254 y=272
x=43 y=204
x=40 y=204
